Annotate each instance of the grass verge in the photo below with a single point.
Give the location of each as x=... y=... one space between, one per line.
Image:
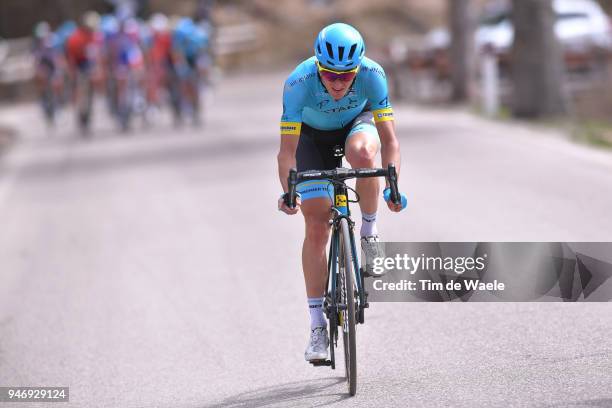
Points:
x=597 y=133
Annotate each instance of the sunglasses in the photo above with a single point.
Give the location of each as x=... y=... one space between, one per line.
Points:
x=331 y=75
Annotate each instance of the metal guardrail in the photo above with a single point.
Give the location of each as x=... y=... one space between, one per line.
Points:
x=236 y=39
x=4 y=48
x=16 y=62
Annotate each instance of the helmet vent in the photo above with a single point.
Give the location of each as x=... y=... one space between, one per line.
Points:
x=319 y=48
x=330 y=63
x=340 y=53
x=352 y=51
x=330 y=50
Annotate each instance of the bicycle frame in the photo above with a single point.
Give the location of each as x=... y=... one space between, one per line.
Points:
x=340 y=209
x=342 y=305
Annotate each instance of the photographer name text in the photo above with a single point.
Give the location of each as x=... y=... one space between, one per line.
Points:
x=428 y=285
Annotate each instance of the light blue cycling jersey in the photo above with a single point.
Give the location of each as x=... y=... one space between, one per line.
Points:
x=189 y=38
x=305 y=99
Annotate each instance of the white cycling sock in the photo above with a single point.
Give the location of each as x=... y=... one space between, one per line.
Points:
x=368 y=225
x=317 y=317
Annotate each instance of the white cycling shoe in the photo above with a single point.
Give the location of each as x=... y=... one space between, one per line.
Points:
x=373 y=248
x=318 y=344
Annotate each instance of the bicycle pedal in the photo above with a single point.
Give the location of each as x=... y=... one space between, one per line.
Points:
x=320 y=363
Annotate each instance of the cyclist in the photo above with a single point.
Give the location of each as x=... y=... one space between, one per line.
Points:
x=158 y=56
x=125 y=63
x=337 y=97
x=188 y=43
x=83 y=53
x=48 y=68
x=63 y=33
x=83 y=46
x=109 y=25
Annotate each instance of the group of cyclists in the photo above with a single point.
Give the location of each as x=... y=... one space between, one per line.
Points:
x=138 y=65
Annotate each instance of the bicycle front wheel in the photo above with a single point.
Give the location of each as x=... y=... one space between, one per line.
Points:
x=347 y=315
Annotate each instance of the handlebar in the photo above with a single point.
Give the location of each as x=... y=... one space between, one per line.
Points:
x=341 y=174
x=292 y=182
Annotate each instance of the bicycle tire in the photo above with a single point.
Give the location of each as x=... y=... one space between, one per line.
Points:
x=333 y=335
x=126 y=104
x=48 y=102
x=348 y=315
x=85 y=100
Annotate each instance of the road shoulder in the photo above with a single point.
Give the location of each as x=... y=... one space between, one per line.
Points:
x=7 y=138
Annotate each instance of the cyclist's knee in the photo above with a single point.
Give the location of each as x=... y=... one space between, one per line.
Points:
x=362 y=154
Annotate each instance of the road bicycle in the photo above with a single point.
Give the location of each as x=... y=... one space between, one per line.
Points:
x=48 y=100
x=84 y=100
x=49 y=84
x=186 y=84
x=345 y=297
x=131 y=100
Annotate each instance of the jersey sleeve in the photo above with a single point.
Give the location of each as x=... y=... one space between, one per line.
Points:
x=378 y=94
x=294 y=97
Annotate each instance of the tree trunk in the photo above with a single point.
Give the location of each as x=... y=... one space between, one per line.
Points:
x=537 y=61
x=461 y=51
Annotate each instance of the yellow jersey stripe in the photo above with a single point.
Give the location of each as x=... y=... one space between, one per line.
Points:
x=383 y=115
x=291 y=128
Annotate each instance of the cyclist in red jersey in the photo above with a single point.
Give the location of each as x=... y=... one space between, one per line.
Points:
x=158 y=55
x=81 y=45
x=82 y=52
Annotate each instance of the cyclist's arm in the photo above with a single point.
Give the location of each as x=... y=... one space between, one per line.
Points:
x=389 y=145
x=286 y=157
x=294 y=97
x=378 y=99
x=390 y=153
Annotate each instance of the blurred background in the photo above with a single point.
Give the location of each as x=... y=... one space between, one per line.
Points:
x=536 y=59
x=143 y=261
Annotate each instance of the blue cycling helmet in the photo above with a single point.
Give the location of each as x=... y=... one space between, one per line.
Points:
x=109 y=24
x=339 y=46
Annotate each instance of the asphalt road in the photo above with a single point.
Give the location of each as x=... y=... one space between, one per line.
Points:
x=153 y=270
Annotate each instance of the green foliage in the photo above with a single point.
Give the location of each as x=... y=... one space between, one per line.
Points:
x=598 y=133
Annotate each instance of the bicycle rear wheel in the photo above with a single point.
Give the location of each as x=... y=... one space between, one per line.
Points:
x=85 y=100
x=348 y=315
x=47 y=99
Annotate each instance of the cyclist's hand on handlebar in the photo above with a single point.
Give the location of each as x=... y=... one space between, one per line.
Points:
x=392 y=206
x=282 y=206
